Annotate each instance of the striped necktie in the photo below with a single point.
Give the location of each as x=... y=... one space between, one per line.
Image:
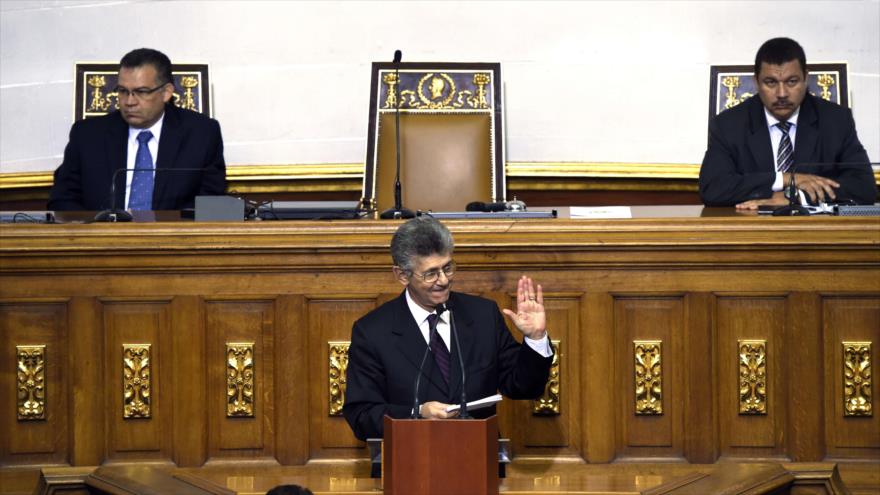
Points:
x=141 y=195
x=785 y=155
x=441 y=353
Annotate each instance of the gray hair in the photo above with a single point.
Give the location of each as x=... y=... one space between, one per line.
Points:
x=421 y=236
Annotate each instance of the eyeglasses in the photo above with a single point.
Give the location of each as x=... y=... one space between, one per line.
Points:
x=432 y=276
x=139 y=93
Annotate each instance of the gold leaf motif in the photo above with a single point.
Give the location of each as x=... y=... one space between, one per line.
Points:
x=752 y=376
x=427 y=91
x=338 y=365
x=857 y=398
x=31 y=405
x=648 y=375
x=240 y=379
x=136 y=371
x=548 y=404
x=825 y=81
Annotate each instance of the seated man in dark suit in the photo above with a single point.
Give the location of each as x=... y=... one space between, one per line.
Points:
x=756 y=146
x=387 y=345
x=147 y=132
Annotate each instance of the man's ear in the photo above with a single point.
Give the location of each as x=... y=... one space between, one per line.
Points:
x=400 y=275
x=167 y=92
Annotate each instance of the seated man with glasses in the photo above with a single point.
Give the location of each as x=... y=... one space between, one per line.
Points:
x=147 y=132
x=388 y=345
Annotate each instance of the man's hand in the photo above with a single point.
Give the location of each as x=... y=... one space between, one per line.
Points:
x=818 y=188
x=529 y=317
x=778 y=199
x=436 y=410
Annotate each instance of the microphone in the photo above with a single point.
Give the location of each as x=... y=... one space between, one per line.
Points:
x=398 y=211
x=794 y=207
x=463 y=413
x=514 y=205
x=120 y=215
x=431 y=329
x=856 y=180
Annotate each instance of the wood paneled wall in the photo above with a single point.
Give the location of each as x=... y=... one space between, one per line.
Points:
x=699 y=286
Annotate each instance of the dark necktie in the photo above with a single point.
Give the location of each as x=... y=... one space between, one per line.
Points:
x=785 y=155
x=441 y=353
x=141 y=195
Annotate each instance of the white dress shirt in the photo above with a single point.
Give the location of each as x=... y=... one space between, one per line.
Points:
x=152 y=144
x=776 y=138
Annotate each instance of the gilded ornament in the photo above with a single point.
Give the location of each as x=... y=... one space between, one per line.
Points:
x=390 y=79
x=857 y=397
x=99 y=102
x=548 y=404
x=825 y=81
x=31 y=374
x=648 y=377
x=240 y=379
x=136 y=371
x=752 y=376
x=187 y=101
x=731 y=83
x=338 y=365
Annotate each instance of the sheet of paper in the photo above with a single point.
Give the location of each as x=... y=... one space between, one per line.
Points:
x=601 y=212
x=478 y=404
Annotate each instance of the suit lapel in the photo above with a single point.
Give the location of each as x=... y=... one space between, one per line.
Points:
x=759 y=136
x=807 y=133
x=117 y=152
x=169 y=144
x=464 y=328
x=411 y=344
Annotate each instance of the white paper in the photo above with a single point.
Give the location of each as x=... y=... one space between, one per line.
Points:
x=478 y=404
x=601 y=212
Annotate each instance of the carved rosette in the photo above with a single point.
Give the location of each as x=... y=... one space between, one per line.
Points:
x=337 y=366
x=136 y=371
x=548 y=404
x=857 y=398
x=648 y=376
x=752 y=376
x=31 y=404
x=240 y=379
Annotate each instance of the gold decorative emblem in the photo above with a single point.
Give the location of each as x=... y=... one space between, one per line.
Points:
x=136 y=371
x=31 y=403
x=438 y=91
x=240 y=379
x=731 y=99
x=752 y=376
x=857 y=400
x=338 y=352
x=648 y=374
x=390 y=79
x=187 y=101
x=825 y=81
x=548 y=404
x=100 y=102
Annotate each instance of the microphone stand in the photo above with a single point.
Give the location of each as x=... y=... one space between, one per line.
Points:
x=114 y=214
x=793 y=208
x=398 y=211
x=463 y=412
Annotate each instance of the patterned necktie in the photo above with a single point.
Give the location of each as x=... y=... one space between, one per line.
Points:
x=784 y=157
x=141 y=195
x=441 y=353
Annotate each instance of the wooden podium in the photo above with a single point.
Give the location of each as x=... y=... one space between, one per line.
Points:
x=444 y=456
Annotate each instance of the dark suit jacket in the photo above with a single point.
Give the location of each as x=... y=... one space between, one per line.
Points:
x=387 y=347
x=739 y=164
x=99 y=146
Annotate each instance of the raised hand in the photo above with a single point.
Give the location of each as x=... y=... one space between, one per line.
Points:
x=529 y=317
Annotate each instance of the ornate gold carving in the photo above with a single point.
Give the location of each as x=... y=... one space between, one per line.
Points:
x=187 y=101
x=825 y=81
x=731 y=98
x=136 y=371
x=390 y=79
x=648 y=375
x=240 y=379
x=438 y=91
x=338 y=352
x=99 y=103
x=31 y=404
x=752 y=376
x=548 y=404
x=857 y=400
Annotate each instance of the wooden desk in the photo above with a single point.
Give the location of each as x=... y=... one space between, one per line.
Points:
x=698 y=281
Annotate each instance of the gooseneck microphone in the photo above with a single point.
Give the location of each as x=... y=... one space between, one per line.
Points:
x=463 y=413
x=114 y=214
x=431 y=329
x=398 y=211
x=793 y=208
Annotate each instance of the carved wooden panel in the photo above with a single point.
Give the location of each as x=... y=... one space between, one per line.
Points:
x=752 y=358
x=849 y=319
x=240 y=379
x=637 y=322
x=337 y=368
x=233 y=323
x=33 y=404
x=138 y=382
x=740 y=319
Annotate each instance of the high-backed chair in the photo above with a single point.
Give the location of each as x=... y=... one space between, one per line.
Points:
x=451 y=135
x=95 y=84
x=730 y=85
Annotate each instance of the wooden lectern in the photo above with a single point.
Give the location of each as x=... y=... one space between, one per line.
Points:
x=443 y=456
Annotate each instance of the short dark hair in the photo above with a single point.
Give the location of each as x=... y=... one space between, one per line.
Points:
x=421 y=236
x=779 y=51
x=289 y=490
x=148 y=56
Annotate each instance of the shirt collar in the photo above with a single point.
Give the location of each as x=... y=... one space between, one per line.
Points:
x=421 y=314
x=772 y=121
x=156 y=129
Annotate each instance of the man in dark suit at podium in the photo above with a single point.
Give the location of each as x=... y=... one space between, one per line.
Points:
x=147 y=132
x=756 y=146
x=388 y=344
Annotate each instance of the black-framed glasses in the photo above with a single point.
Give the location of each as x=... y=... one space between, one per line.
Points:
x=139 y=93
x=432 y=276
